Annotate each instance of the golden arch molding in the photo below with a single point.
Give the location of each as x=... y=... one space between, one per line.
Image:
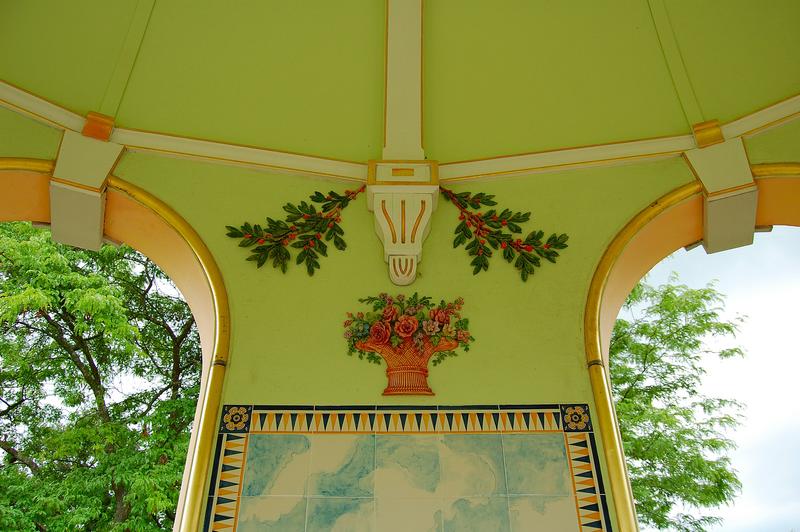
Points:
x=673 y=221
x=140 y=219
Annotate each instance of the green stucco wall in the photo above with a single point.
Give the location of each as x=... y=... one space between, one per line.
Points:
x=287 y=344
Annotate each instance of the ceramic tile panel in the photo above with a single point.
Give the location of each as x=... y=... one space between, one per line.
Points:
x=476 y=514
x=535 y=512
x=401 y=514
x=429 y=468
x=340 y=514
x=407 y=465
x=267 y=514
x=536 y=466
x=472 y=465
x=342 y=466
x=277 y=464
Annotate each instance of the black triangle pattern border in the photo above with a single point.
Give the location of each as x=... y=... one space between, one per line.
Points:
x=587 y=482
x=573 y=420
x=367 y=419
x=225 y=486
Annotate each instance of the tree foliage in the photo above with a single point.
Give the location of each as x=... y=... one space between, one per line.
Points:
x=674 y=436
x=99 y=374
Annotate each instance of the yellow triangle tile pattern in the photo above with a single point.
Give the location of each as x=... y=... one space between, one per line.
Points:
x=229 y=464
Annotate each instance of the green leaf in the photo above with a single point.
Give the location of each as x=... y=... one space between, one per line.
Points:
x=675 y=435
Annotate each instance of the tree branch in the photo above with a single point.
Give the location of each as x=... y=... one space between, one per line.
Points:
x=17 y=456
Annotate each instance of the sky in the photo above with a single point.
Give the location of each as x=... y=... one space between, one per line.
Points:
x=762 y=283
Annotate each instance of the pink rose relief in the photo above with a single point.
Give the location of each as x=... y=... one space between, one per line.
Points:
x=390 y=313
x=439 y=315
x=379 y=332
x=406 y=326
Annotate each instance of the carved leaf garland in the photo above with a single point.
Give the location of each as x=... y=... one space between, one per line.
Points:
x=305 y=229
x=309 y=230
x=484 y=232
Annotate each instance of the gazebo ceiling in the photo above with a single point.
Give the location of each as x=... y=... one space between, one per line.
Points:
x=499 y=78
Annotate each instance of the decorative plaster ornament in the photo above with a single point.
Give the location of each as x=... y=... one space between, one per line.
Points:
x=402 y=196
x=305 y=228
x=407 y=333
x=476 y=229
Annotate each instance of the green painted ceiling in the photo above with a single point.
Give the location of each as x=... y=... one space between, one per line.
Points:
x=741 y=55
x=504 y=77
x=21 y=136
x=531 y=76
x=61 y=52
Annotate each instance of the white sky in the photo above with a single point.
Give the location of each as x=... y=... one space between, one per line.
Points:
x=761 y=282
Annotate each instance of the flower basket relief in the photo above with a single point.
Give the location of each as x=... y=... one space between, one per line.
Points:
x=407 y=333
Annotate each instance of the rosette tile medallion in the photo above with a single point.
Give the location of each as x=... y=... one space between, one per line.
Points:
x=407 y=333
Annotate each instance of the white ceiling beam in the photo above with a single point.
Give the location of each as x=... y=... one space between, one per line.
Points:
x=557 y=160
x=403 y=80
x=235 y=155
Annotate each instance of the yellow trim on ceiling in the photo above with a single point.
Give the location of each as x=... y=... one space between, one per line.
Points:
x=767 y=170
x=77 y=185
x=42 y=166
x=707 y=133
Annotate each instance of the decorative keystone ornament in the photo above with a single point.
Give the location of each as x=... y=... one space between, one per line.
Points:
x=402 y=196
x=407 y=333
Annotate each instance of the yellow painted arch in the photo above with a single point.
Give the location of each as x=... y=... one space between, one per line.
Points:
x=669 y=223
x=139 y=218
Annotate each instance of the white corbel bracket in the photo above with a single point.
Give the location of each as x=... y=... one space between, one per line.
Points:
x=77 y=188
x=730 y=193
x=402 y=196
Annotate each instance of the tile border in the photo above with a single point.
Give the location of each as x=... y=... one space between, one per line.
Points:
x=238 y=422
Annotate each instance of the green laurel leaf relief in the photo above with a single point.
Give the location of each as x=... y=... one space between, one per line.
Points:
x=305 y=229
x=482 y=231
